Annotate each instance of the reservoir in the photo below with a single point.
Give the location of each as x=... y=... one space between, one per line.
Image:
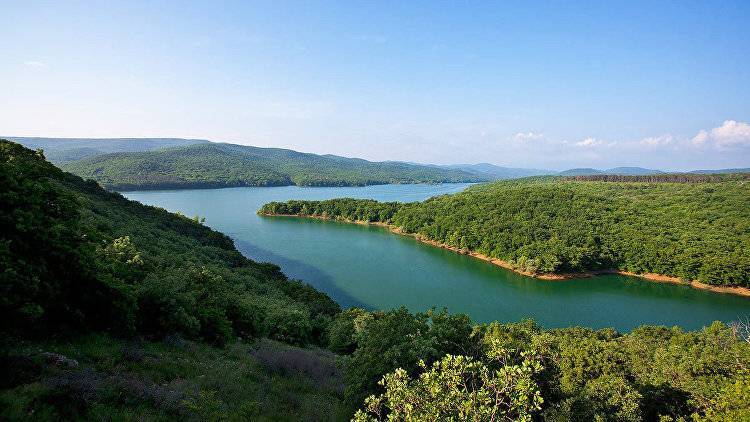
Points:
x=373 y=268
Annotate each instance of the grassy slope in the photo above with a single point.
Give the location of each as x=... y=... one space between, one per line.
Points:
x=220 y=165
x=116 y=379
x=689 y=230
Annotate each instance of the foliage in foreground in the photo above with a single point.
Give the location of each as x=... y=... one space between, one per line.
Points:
x=695 y=231
x=440 y=366
x=458 y=388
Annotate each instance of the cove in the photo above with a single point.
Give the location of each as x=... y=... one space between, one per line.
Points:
x=370 y=267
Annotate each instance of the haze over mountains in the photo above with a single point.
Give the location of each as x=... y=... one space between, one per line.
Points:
x=169 y=163
x=622 y=171
x=493 y=172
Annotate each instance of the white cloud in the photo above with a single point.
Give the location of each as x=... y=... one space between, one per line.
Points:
x=34 y=63
x=701 y=138
x=589 y=143
x=528 y=136
x=658 y=141
x=730 y=134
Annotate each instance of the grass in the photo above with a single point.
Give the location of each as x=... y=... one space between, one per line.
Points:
x=101 y=377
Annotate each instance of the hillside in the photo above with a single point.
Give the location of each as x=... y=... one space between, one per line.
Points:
x=63 y=150
x=226 y=165
x=127 y=251
x=129 y=304
x=112 y=310
x=698 y=230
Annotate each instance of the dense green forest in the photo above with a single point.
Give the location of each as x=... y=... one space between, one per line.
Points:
x=115 y=310
x=211 y=165
x=697 y=229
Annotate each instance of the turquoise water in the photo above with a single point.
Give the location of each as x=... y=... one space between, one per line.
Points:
x=371 y=267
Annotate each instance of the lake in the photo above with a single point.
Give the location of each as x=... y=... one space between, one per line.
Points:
x=370 y=267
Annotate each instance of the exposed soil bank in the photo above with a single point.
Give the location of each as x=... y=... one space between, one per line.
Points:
x=741 y=291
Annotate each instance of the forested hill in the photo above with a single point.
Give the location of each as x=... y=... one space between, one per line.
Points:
x=110 y=309
x=225 y=165
x=77 y=256
x=695 y=231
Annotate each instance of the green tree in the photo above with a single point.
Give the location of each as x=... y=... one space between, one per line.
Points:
x=459 y=388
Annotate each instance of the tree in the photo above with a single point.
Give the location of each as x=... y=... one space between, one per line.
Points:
x=460 y=388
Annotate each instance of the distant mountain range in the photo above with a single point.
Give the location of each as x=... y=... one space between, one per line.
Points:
x=494 y=172
x=497 y=172
x=173 y=163
x=620 y=171
x=730 y=170
x=640 y=171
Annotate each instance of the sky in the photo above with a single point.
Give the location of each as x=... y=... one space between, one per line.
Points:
x=549 y=85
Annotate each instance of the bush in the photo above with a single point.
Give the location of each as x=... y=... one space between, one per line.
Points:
x=459 y=388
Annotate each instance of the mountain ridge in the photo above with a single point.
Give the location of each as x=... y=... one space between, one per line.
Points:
x=213 y=165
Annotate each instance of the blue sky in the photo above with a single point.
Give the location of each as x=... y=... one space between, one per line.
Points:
x=549 y=84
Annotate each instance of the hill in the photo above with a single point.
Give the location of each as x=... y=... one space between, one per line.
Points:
x=63 y=150
x=90 y=277
x=226 y=165
x=58 y=223
x=692 y=227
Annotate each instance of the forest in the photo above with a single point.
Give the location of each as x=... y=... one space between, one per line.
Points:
x=115 y=310
x=213 y=165
x=695 y=227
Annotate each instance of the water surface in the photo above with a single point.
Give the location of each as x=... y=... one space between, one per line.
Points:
x=373 y=268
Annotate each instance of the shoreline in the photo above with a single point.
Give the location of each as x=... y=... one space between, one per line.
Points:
x=129 y=187
x=658 y=278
